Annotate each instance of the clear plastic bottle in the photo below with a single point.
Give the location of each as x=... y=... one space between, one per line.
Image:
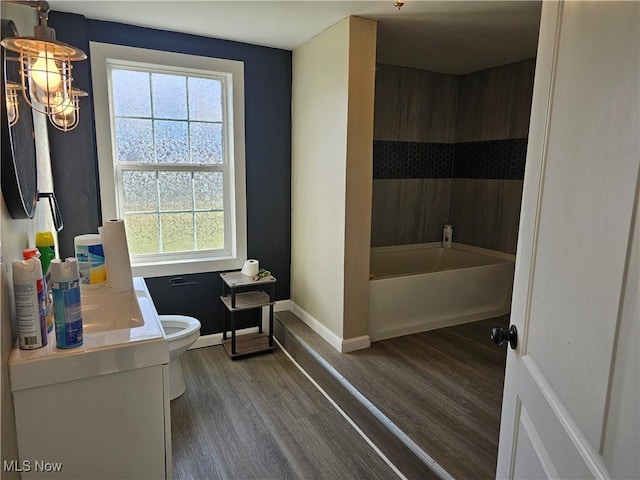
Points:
x=447 y=236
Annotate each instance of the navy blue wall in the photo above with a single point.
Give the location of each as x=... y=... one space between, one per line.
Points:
x=268 y=157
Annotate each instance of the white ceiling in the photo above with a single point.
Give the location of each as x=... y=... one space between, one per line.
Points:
x=444 y=36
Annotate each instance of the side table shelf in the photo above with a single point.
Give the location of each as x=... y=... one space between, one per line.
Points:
x=246 y=300
x=255 y=294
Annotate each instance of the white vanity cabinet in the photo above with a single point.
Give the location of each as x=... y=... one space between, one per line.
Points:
x=100 y=410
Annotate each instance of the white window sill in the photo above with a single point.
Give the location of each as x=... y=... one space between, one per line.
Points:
x=184 y=267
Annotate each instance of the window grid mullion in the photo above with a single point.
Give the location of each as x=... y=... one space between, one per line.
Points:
x=171 y=167
x=226 y=188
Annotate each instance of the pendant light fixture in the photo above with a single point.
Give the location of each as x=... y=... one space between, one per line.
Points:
x=45 y=70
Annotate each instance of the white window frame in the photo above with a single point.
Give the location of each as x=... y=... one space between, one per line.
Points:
x=103 y=58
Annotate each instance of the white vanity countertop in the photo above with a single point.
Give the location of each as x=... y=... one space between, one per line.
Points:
x=121 y=332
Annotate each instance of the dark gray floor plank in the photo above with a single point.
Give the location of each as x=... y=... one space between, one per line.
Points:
x=441 y=388
x=260 y=418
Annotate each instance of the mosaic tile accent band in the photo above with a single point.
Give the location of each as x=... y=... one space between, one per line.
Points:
x=412 y=159
x=495 y=159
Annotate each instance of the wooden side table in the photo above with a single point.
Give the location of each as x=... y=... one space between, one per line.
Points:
x=241 y=292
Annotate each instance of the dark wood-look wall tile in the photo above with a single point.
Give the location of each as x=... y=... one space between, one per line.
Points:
x=385 y=208
x=411 y=213
x=386 y=114
x=436 y=208
x=420 y=106
x=461 y=213
x=469 y=111
x=510 y=221
x=522 y=97
x=496 y=102
x=487 y=212
x=416 y=97
x=442 y=125
x=414 y=105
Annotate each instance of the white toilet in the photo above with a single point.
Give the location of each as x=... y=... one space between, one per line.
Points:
x=181 y=332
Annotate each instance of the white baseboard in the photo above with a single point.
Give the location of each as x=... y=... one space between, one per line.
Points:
x=356 y=343
x=341 y=345
x=216 y=338
x=282 y=305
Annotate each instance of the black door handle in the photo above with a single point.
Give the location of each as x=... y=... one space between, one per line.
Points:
x=498 y=336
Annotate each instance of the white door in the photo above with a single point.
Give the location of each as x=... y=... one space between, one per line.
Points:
x=570 y=406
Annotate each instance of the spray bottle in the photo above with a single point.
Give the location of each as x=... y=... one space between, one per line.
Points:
x=46 y=306
x=28 y=289
x=65 y=282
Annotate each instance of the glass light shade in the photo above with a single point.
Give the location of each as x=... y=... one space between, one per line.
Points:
x=67 y=114
x=11 y=95
x=45 y=71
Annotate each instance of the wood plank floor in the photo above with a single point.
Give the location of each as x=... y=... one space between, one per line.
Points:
x=442 y=388
x=260 y=418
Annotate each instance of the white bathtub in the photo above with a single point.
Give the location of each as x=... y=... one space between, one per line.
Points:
x=423 y=286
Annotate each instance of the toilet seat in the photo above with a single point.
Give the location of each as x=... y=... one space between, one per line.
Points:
x=177 y=327
x=181 y=332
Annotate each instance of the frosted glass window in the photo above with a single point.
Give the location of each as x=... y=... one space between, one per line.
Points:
x=209 y=230
x=140 y=191
x=134 y=140
x=208 y=190
x=171 y=141
x=206 y=142
x=173 y=172
x=205 y=99
x=176 y=191
x=131 y=93
x=142 y=233
x=169 y=96
x=177 y=232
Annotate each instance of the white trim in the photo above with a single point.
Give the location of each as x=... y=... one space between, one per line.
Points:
x=355 y=343
x=168 y=445
x=543 y=92
x=235 y=201
x=537 y=444
x=282 y=306
x=340 y=344
x=216 y=338
x=591 y=457
x=334 y=340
